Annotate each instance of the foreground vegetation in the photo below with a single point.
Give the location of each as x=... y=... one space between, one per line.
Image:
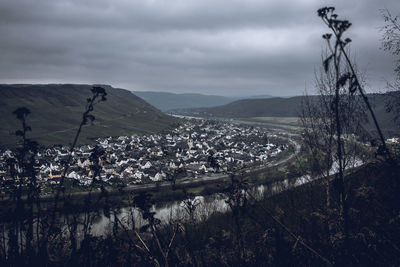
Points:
x=293 y=228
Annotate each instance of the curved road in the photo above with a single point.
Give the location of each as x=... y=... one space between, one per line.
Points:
x=207 y=178
x=188 y=181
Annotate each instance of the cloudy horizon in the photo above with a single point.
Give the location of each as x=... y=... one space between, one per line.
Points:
x=230 y=48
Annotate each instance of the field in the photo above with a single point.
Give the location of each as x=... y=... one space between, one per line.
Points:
x=286 y=123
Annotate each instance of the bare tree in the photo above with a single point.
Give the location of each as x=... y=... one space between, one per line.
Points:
x=391 y=37
x=319 y=121
x=349 y=79
x=344 y=78
x=391 y=44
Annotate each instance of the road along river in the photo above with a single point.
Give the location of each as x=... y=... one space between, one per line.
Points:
x=188 y=181
x=175 y=210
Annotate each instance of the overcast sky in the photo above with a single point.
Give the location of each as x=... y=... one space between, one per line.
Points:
x=223 y=47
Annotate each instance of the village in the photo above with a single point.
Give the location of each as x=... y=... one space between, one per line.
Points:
x=193 y=149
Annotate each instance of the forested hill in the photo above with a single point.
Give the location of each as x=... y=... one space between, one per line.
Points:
x=283 y=107
x=265 y=107
x=56 y=111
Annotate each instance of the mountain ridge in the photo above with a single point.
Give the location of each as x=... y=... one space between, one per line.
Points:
x=170 y=101
x=287 y=107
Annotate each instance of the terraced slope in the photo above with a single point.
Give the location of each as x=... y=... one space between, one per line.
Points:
x=56 y=111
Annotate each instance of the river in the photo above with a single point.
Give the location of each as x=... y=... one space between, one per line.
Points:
x=205 y=205
x=101 y=224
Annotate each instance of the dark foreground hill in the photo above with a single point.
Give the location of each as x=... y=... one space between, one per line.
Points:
x=286 y=107
x=56 y=111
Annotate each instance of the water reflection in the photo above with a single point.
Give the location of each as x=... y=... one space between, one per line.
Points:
x=205 y=205
x=177 y=211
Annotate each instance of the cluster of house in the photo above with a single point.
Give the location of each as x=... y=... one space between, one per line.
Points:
x=394 y=140
x=196 y=147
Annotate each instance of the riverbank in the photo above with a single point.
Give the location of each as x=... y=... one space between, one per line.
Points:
x=162 y=191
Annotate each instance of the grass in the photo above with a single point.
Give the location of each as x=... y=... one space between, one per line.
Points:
x=196 y=190
x=278 y=120
x=286 y=123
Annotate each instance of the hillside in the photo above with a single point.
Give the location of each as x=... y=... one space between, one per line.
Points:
x=56 y=111
x=285 y=107
x=245 y=108
x=169 y=101
x=385 y=119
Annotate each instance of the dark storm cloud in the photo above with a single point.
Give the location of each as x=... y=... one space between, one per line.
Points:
x=208 y=46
